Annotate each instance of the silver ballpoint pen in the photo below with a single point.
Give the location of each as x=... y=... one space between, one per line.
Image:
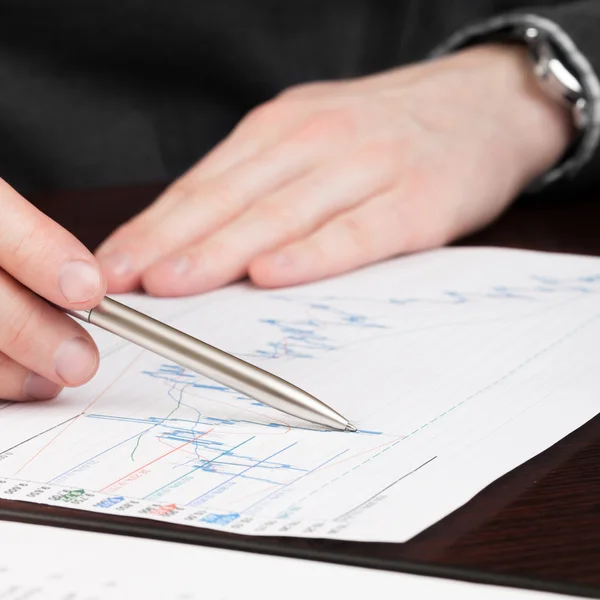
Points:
x=207 y=360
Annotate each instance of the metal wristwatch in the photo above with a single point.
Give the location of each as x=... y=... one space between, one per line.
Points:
x=554 y=76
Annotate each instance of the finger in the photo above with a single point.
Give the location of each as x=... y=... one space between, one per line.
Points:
x=42 y=339
x=263 y=128
x=291 y=212
x=243 y=144
x=44 y=257
x=20 y=384
x=196 y=212
x=374 y=231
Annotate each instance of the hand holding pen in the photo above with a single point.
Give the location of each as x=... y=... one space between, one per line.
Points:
x=43 y=350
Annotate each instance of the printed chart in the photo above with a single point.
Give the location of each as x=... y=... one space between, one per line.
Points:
x=446 y=366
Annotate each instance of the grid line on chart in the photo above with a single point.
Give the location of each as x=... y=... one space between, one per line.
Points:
x=449 y=410
x=155 y=460
x=77 y=417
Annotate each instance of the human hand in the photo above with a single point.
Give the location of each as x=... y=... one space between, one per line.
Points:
x=329 y=177
x=41 y=349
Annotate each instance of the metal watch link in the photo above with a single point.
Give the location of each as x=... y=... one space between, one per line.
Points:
x=554 y=76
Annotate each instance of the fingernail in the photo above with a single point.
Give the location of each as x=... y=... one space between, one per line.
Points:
x=40 y=388
x=75 y=361
x=180 y=266
x=79 y=281
x=119 y=264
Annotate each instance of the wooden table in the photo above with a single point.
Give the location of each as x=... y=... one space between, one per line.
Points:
x=537 y=526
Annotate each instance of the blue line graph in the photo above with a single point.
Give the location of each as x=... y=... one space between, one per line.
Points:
x=540 y=287
x=302 y=338
x=298 y=339
x=211 y=454
x=174 y=430
x=206 y=466
x=149 y=438
x=209 y=450
x=329 y=460
x=330 y=322
x=197 y=500
x=178 y=448
x=179 y=376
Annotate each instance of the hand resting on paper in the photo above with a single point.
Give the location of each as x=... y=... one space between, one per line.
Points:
x=332 y=176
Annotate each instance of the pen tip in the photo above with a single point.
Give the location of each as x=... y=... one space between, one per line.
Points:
x=350 y=427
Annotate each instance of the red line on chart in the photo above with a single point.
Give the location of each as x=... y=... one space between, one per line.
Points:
x=156 y=459
x=83 y=412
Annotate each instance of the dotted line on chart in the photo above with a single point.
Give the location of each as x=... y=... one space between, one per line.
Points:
x=477 y=393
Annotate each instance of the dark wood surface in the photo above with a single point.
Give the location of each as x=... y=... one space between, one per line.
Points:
x=538 y=525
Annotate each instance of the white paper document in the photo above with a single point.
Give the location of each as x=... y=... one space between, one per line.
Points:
x=456 y=366
x=43 y=563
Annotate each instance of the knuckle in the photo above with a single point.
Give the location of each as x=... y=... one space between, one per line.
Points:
x=179 y=193
x=258 y=114
x=281 y=215
x=272 y=111
x=25 y=249
x=379 y=158
x=122 y=232
x=176 y=196
x=5 y=364
x=223 y=196
x=219 y=200
x=216 y=255
x=126 y=235
x=335 y=125
x=18 y=325
x=359 y=234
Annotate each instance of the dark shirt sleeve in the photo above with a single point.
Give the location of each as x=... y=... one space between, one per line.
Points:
x=574 y=27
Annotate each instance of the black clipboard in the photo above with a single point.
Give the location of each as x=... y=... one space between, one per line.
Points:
x=299 y=548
